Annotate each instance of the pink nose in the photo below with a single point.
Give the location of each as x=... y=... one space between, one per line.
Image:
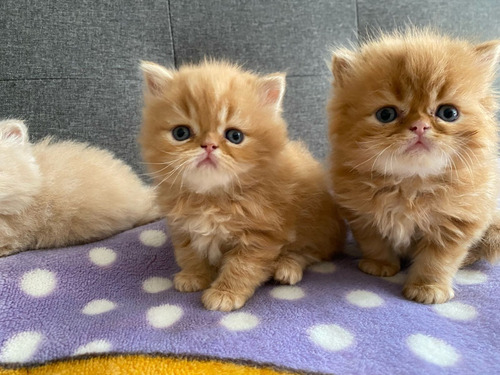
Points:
x=209 y=147
x=419 y=127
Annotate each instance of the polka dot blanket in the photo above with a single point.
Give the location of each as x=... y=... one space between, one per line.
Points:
x=109 y=307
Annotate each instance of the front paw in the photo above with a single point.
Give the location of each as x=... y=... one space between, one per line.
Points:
x=222 y=300
x=428 y=293
x=185 y=282
x=378 y=268
x=288 y=273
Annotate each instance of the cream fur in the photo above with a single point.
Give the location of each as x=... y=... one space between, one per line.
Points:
x=264 y=211
x=64 y=193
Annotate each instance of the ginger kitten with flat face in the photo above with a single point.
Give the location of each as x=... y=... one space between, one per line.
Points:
x=414 y=160
x=243 y=203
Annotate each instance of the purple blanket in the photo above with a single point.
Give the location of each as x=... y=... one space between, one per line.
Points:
x=116 y=295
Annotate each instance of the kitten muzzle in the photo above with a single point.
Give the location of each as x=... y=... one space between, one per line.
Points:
x=419 y=144
x=208 y=159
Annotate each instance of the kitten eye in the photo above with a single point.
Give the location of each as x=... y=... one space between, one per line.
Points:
x=386 y=114
x=181 y=133
x=447 y=113
x=234 y=136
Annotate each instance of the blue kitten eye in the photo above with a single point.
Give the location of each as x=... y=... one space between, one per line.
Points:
x=234 y=136
x=386 y=114
x=447 y=113
x=181 y=133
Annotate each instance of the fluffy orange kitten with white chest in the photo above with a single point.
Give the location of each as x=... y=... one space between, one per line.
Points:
x=414 y=160
x=243 y=203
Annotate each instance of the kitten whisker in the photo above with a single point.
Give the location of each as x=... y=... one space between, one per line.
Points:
x=373 y=165
x=145 y=163
x=467 y=149
x=167 y=165
x=453 y=164
x=170 y=174
x=177 y=153
x=360 y=164
x=466 y=164
x=392 y=159
x=183 y=170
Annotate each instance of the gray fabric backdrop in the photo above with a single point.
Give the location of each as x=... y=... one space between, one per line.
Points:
x=70 y=69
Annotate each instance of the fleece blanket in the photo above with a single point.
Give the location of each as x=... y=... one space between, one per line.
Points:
x=109 y=307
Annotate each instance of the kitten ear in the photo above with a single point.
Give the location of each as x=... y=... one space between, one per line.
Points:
x=342 y=62
x=489 y=54
x=156 y=77
x=271 y=89
x=14 y=130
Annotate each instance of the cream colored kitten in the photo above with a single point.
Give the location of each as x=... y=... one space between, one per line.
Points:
x=63 y=193
x=243 y=203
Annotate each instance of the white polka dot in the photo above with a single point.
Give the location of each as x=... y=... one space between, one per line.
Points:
x=21 y=347
x=456 y=310
x=287 y=292
x=470 y=277
x=156 y=284
x=239 y=321
x=322 y=267
x=398 y=278
x=38 y=283
x=98 y=306
x=163 y=316
x=364 y=298
x=102 y=256
x=432 y=350
x=97 y=346
x=154 y=238
x=331 y=337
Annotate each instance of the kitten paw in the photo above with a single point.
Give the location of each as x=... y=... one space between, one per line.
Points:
x=428 y=294
x=378 y=268
x=185 y=282
x=471 y=258
x=288 y=273
x=215 y=299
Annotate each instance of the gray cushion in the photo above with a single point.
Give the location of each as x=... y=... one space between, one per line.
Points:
x=476 y=20
x=278 y=35
x=71 y=68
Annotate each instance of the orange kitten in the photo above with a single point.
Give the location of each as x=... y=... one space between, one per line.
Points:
x=243 y=203
x=414 y=135
x=64 y=193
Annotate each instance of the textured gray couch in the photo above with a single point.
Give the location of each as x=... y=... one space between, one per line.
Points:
x=70 y=68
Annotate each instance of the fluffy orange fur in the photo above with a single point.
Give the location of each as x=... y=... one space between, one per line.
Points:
x=424 y=184
x=239 y=212
x=64 y=193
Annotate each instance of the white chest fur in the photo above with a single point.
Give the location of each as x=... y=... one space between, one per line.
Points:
x=397 y=225
x=209 y=233
x=401 y=216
